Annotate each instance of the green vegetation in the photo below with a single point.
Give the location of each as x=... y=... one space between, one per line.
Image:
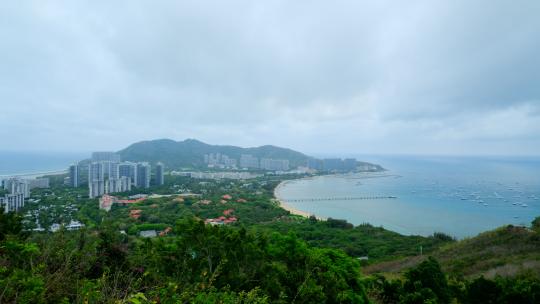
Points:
x=189 y=153
x=375 y=243
x=427 y=283
x=536 y=224
x=200 y=262
x=499 y=266
x=506 y=251
x=255 y=209
x=266 y=256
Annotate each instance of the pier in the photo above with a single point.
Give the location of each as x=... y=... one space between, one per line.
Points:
x=346 y=198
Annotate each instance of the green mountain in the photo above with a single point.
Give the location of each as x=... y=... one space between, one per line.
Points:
x=190 y=152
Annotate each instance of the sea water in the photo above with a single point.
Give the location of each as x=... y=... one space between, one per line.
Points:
x=22 y=163
x=460 y=196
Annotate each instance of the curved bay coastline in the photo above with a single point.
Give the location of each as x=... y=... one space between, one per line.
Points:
x=461 y=197
x=285 y=205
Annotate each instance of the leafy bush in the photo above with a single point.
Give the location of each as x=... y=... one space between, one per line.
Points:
x=536 y=224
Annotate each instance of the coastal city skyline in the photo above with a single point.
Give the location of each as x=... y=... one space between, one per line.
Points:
x=270 y=151
x=105 y=172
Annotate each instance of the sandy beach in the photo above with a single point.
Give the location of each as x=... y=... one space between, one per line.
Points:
x=283 y=204
x=286 y=206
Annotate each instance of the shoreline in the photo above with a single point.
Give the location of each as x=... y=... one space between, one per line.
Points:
x=34 y=174
x=283 y=204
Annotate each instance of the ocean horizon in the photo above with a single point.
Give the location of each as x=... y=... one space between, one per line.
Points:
x=32 y=163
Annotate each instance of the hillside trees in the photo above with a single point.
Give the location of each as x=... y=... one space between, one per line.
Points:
x=198 y=263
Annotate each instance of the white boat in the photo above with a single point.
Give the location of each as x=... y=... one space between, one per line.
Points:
x=524 y=205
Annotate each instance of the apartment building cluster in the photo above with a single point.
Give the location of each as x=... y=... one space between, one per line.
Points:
x=219 y=160
x=108 y=174
x=274 y=164
x=247 y=161
x=217 y=175
x=250 y=161
x=18 y=190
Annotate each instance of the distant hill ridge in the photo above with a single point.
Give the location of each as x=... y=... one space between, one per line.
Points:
x=190 y=152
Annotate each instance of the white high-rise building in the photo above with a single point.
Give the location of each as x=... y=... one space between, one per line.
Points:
x=17 y=185
x=274 y=164
x=121 y=184
x=160 y=177
x=12 y=202
x=128 y=169
x=114 y=170
x=74 y=175
x=109 y=169
x=219 y=160
x=109 y=177
x=96 y=179
x=96 y=171
x=125 y=183
x=96 y=188
x=249 y=161
x=143 y=175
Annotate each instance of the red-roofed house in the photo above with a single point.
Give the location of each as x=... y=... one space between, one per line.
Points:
x=228 y=212
x=165 y=232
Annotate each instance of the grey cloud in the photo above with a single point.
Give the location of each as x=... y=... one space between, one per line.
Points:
x=367 y=76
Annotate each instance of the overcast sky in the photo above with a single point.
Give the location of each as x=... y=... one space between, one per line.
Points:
x=335 y=77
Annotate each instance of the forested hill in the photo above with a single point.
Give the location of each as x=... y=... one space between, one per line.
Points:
x=190 y=152
x=505 y=251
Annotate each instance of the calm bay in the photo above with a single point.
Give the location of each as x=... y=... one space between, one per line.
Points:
x=460 y=196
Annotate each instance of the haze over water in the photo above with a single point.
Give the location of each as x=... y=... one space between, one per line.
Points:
x=456 y=195
x=15 y=163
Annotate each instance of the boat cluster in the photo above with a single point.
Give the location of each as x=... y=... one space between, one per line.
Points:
x=475 y=197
